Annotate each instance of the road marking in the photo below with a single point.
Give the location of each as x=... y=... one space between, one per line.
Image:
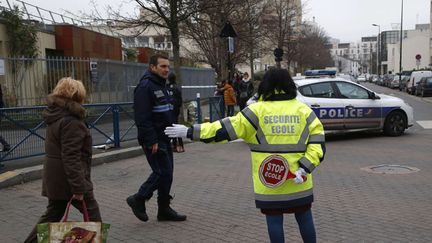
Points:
x=7 y=175
x=425 y=124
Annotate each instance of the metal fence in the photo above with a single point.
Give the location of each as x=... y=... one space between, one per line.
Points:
x=24 y=129
x=110 y=124
x=27 y=81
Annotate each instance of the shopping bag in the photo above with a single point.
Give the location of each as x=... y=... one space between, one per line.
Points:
x=73 y=232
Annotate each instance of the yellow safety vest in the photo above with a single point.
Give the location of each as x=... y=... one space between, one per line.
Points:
x=282 y=136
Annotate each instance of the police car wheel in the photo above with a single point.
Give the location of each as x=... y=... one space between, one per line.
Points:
x=395 y=124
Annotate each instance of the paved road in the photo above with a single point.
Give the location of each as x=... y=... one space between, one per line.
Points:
x=213 y=187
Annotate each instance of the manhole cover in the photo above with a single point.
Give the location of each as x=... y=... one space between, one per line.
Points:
x=390 y=169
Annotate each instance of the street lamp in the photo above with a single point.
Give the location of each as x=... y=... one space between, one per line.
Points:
x=378 y=48
x=229 y=33
x=400 y=47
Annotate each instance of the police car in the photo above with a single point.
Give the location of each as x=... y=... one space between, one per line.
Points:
x=343 y=105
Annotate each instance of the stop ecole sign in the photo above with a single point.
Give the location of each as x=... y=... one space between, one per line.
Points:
x=274 y=171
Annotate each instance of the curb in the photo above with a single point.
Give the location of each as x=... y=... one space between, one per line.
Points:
x=20 y=176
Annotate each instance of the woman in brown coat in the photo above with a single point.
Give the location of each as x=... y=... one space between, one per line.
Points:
x=68 y=147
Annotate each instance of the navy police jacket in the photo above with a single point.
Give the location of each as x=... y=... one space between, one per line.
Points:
x=153 y=109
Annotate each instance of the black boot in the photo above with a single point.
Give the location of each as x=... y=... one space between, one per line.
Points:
x=166 y=213
x=138 y=207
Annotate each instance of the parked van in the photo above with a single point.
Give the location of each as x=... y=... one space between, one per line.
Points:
x=415 y=78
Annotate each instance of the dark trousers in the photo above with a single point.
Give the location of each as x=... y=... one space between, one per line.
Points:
x=242 y=103
x=230 y=110
x=304 y=221
x=56 y=209
x=161 y=177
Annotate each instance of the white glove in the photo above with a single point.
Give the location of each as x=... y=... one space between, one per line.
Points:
x=176 y=131
x=299 y=173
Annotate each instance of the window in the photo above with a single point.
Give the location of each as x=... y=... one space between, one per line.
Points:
x=142 y=41
x=321 y=90
x=352 y=91
x=129 y=41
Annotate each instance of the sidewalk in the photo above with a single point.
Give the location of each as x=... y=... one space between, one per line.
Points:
x=213 y=187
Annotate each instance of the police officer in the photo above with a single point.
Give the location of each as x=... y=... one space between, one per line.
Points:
x=286 y=140
x=153 y=113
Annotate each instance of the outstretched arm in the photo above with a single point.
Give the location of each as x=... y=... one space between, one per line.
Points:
x=221 y=131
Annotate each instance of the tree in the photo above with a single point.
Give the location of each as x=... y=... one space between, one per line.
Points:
x=131 y=54
x=168 y=15
x=22 y=42
x=312 y=50
x=282 y=22
x=204 y=29
x=22 y=34
x=253 y=12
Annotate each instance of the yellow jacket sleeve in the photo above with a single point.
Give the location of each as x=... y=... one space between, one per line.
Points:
x=315 y=146
x=224 y=130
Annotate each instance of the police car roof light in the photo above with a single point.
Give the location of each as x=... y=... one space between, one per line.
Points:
x=323 y=72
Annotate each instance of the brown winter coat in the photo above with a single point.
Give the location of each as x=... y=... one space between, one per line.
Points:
x=229 y=95
x=68 y=147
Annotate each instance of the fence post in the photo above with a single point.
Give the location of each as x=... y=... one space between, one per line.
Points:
x=116 y=125
x=222 y=106
x=198 y=100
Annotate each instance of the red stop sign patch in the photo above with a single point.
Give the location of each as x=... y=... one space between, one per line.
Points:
x=274 y=171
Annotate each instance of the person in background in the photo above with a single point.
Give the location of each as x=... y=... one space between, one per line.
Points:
x=177 y=101
x=68 y=147
x=287 y=143
x=5 y=144
x=236 y=84
x=245 y=91
x=229 y=97
x=153 y=113
x=219 y=89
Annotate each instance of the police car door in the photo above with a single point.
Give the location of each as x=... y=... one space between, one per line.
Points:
x=361 y=111
x=322 y=98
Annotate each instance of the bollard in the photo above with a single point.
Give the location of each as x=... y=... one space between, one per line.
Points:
x=198 y=100
x=116 y=126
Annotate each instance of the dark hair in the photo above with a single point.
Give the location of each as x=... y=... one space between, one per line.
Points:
x=277 y=81
x=154 y=59
x=172 y=78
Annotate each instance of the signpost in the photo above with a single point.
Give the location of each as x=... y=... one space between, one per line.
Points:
x=418 y=60
x=229 y=33
x=93 y=72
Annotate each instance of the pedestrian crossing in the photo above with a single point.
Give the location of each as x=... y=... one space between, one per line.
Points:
x=425 y=124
